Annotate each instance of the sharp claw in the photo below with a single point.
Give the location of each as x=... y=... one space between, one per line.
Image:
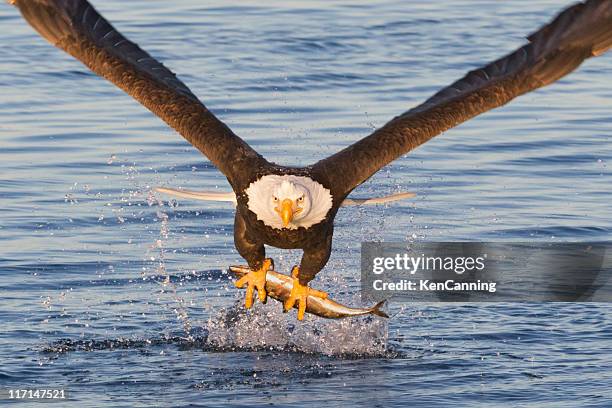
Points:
x=301 y=309
x=248 y=301
x=317 y=293
x=299 y=293
x=255 y=280
x=262 y=294
x=289 y=303
x=241 y=282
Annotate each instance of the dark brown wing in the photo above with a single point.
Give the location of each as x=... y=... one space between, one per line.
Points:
x=579 y=32
x=77 y=28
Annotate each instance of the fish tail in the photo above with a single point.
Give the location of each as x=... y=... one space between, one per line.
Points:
x=376 y=309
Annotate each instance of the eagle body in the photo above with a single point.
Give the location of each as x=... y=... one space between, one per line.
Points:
x=251 y=233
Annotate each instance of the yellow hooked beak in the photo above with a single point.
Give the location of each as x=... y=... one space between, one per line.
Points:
x=285 y=211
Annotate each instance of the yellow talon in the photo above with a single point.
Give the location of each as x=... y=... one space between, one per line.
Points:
x=299 y=293
x=255 y=280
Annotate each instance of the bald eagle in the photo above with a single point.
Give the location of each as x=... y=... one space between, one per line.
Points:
x=295 y=207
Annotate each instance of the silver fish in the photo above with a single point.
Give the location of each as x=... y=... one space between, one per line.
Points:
x=279 y=287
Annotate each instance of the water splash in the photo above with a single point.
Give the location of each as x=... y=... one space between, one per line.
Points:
x=180 y=309
x=267 y=327
x=263 y=328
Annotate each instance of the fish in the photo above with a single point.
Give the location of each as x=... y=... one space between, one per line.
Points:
x=278 y=286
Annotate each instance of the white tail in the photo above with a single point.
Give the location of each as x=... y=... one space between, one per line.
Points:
x=199 y=195
x=231 y=197
x=377 y=200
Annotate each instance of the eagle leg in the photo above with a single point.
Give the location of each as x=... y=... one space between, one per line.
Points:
x=299 y=293
x=256 y=280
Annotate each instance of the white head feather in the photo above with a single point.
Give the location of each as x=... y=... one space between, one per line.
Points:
x=315 y=205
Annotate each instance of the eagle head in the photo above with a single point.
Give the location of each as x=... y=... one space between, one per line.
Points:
x=288 y=201
x=291 y=201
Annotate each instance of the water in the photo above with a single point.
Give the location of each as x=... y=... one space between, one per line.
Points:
x=119 y=295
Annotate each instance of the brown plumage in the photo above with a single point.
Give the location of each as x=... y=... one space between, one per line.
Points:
x=579 y=32
x=77 y=28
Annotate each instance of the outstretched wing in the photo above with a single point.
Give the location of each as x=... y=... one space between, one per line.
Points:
x=579 y=32
x=77 y=28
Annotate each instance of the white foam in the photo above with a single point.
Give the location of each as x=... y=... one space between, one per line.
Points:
x=266 y=326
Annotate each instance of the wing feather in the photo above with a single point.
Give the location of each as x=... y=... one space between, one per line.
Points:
x=579 y=32
x=77 y=28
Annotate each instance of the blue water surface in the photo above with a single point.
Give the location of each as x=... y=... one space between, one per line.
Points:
x=119 y=295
